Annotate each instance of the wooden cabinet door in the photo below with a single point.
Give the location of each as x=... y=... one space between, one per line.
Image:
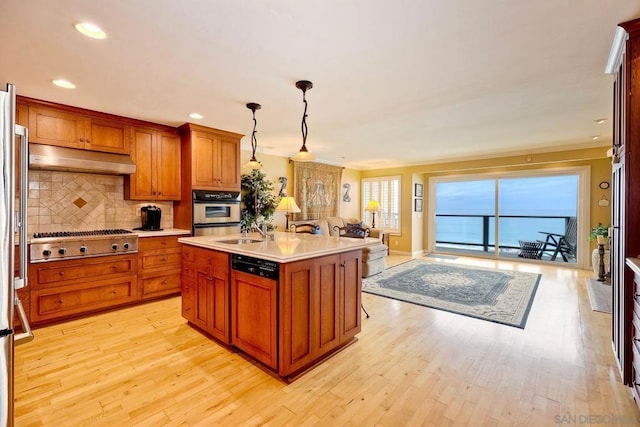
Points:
x=188 y=291
x=139 y=185
x=297 y=318
x=254 y=316
x=22 y=115
x=211 y=307
x=202 y=155
x=228 y=164
x=168 y=166
x=310 y=311
x=350 y=298
x=109 y=136
x=53 y=127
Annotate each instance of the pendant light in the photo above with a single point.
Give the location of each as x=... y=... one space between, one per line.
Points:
x=253 y=163
x=304 y=155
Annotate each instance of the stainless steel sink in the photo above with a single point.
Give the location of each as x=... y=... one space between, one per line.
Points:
x=239 y=241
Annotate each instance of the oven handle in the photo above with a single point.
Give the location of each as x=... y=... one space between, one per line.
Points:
x=216 y=224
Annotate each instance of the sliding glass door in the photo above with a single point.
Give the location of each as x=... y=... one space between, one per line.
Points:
x=465 y=215
x=533 y=216
x=538 y=210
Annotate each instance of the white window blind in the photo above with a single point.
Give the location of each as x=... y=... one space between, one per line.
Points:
x=385 y=190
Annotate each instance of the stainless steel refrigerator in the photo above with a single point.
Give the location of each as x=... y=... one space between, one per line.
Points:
x=13 y=233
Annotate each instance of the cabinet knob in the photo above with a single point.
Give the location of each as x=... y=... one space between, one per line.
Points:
x=87 y=141
x=61 y=273
x=61 y=301
x=114 y=292
x=164 y=282
x=164 y=242
x=163 y=259
x=114 y=266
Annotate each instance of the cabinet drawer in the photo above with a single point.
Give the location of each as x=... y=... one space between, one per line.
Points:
x=59 y=273
x=161 y=260
x=153 y=243
x=63 y=301
x=160 y=285
x=204 y=258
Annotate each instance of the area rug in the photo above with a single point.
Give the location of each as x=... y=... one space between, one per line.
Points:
x=599 y=295
x=499 y=296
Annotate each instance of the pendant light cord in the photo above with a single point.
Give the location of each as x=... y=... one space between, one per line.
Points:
x=304 y=123
x=254 y=141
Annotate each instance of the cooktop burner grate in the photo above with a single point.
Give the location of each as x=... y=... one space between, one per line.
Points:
x=106 y=232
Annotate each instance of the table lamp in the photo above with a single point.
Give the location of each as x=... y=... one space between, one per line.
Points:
x=288 y=206
x=373 y=207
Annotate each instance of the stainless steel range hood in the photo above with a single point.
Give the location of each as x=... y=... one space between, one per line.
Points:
x=50 y=157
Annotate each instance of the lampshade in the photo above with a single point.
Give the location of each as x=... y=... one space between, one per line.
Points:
x=287 y=204
x=373 y=206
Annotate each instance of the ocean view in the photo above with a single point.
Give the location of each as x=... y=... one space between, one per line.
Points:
x=523 y=204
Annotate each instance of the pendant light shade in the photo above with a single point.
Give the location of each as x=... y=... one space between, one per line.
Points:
x=304 y=155
x=253 y=163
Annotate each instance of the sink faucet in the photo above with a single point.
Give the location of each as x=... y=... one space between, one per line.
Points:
x=262 y=229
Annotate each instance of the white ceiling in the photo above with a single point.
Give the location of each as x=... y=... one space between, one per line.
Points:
x=395 y=83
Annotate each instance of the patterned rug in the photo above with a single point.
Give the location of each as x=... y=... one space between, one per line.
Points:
x=499 y=296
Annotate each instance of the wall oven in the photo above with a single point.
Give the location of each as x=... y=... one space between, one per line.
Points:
x=216 y=212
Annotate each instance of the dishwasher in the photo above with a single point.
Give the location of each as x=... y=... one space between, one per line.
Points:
x=254 y=307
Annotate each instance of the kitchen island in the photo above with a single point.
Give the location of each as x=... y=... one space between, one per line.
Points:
x=288 y=302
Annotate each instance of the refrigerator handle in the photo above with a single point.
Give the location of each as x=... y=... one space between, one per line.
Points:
x=27 y=335
x=21 y=223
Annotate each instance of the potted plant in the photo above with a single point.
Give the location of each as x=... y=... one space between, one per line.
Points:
x=599 y=230
x=259 y=202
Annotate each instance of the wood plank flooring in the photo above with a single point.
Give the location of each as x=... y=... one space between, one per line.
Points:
x=411 y=366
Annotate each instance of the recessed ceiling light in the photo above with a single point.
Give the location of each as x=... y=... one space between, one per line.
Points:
x=91 y=30
x=196 y=116
x=595 y=137
x=600 y=121
x=63 y=83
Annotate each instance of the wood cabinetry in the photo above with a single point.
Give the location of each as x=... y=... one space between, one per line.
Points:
x=157 y=156
x=63 y=289
x=72 y=130
x=319 y=308
x=159 y=262
x=289 y=324
x=205 y=293
x=215 y=158
x=625 y=195
x=254 y=316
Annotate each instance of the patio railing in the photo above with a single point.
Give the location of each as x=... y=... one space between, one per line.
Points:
x=478 y=231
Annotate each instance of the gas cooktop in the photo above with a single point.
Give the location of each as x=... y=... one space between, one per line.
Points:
x=59 y=245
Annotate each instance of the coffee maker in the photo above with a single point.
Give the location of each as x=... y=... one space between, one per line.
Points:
x=151 y=216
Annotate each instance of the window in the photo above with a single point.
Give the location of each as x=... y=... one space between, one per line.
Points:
x=501 y=214
x=386 y=190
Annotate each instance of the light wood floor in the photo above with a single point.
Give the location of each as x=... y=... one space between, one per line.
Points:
x=411 y=366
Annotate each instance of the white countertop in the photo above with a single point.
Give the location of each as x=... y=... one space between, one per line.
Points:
x=285 y=247
x=634 y=264
x=164 y=232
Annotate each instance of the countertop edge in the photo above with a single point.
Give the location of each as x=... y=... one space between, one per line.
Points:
x=166 y=232
x=634 y=264
x=353 y=244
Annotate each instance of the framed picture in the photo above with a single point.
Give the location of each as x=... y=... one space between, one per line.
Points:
x=418 y=205
x=418 y=190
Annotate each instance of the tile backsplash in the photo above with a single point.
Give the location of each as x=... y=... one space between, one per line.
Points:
x=60 y=201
